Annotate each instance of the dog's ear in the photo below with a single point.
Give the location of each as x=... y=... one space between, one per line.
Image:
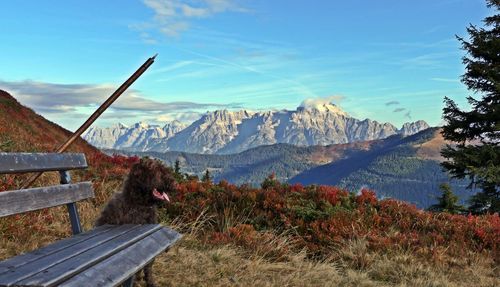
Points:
x=143 y=169
x=139 y=183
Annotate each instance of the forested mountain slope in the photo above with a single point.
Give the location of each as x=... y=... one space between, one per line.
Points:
x=403 y=168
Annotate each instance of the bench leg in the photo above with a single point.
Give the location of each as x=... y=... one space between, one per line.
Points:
x=129 y=282
x=74 y=218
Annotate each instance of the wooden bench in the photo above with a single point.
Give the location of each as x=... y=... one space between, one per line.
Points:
x=108 y=255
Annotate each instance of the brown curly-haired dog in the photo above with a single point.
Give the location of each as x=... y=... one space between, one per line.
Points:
x=146 y=186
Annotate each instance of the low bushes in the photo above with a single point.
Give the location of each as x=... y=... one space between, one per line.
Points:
x=321 y=219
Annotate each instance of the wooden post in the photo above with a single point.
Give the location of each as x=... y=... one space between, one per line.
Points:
x=74 y=218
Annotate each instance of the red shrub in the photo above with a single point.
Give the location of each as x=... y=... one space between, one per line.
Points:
x=332 y=194
x=322 y=216
x=366 y=197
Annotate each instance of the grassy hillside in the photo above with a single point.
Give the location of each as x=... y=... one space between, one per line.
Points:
x=21 y=129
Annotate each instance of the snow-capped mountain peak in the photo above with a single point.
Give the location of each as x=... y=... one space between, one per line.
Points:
x=120 y=125
x=323 y=108
x=224 y=131
x=413 y=128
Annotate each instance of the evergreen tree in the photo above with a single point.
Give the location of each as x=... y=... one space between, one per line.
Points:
x=206 y=177
x=447 y=202
x=476 y=133
x=177 y=172
x=270 y=182
x=177 y=167
x=190 y=177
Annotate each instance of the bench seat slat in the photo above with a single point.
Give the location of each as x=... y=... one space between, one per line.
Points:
x=19 y=201
x=115 y=270
x=45 y=262
x=67 y=268
x=34 y=162
x=22 y=259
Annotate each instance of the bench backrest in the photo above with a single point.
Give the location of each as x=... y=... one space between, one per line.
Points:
x=19 y=201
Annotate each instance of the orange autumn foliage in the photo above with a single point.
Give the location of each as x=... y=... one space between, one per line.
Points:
x=322 y=217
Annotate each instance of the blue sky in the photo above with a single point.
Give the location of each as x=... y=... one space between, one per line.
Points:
x=391 y=60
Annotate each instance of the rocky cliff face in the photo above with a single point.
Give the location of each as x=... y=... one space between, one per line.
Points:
x=105 y=137
x=208 y=134
x=160 y=143
x=413 y=128
x=137 y=137
x=225 y=131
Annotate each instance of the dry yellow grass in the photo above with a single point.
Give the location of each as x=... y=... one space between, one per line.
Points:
x=193 y=264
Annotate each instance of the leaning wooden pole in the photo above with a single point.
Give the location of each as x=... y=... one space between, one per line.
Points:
x=97 y=113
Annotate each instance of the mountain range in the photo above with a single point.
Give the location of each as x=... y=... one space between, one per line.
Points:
x=226 y=132
x=403 y=167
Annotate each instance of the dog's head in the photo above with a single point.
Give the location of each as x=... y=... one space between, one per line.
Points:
x=149 y=182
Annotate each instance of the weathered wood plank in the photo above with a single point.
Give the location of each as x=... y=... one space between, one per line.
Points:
x=31 y=162
x=43 y=263
x=57 y=273
x=19 y=201
x=116 y=269
x=26 y=258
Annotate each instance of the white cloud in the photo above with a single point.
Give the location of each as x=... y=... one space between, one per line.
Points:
x=185 y=117
x=172 y=17
x=56 y=98
x=315 y=102
x=174 y=28
x=162 y=8
x=172 y=67
x=189 y=11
